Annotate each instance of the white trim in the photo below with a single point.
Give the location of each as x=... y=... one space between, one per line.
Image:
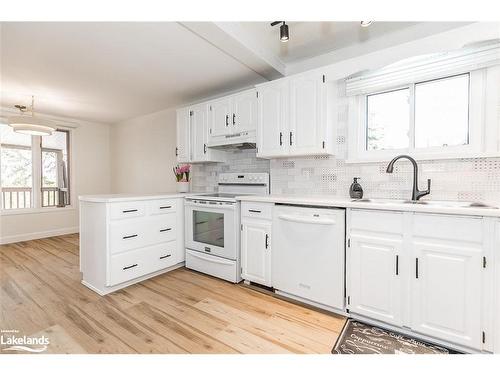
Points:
x=37 y=235
x=424 y=68
x=39 y=210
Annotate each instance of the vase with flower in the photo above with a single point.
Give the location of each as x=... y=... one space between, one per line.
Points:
x=182 y=176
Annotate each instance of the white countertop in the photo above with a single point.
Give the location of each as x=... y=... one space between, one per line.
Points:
x=105 y=198
x=440 y=207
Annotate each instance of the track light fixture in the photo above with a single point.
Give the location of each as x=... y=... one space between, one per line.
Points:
x=284 y=36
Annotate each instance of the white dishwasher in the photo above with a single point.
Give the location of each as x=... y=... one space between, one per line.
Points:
x=308 y=254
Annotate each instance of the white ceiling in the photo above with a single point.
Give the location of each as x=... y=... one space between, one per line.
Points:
x=309 y=39
x=109 y=72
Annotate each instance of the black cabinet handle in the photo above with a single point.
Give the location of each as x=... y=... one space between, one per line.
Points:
x=281 y=139
x=129 y=267
x=177 y=151
x=397 y=264
x=128 y=211
x=165 y=230
x=291 y=139
x=416 y=268
x=205 y=148
x=227 y=120
x=163 y=207
x=234 y=119
x=165 y=256
x=267 y=240
x=256 y=211
x=131 y=236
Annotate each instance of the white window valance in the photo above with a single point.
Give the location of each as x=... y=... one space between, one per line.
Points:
x=421 y=68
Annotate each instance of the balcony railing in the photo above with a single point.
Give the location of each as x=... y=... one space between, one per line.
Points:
x=50 y=197
x=20 y=197
x=16 y=197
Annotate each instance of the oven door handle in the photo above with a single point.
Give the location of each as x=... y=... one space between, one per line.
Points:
x=210 y=207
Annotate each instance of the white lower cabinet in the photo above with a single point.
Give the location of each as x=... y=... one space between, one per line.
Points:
x=375 y=283
x=256 y=249
x=424 y=272
x=125 y=242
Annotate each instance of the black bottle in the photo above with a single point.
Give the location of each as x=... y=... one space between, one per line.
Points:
x=356 y=191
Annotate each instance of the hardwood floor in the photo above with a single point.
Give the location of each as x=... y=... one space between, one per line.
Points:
x=178 y=312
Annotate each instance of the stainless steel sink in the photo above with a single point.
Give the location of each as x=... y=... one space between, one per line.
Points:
x=452 y=204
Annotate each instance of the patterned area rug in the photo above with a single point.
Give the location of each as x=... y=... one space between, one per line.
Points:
x=361 y=338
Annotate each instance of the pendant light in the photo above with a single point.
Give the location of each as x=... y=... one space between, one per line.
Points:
x=30 y=124
x=284 y=35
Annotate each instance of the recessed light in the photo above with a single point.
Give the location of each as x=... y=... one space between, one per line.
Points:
x=366 y=23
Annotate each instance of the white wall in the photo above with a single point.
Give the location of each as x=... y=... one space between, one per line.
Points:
x=143 y=153
x=91 y=175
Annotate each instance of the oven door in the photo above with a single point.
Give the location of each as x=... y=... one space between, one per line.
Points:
x=212 y=227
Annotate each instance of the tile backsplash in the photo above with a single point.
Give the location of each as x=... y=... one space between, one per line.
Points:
x=476 y=179
x=205 y=176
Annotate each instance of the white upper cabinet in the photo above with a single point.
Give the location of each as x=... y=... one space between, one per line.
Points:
x=307 y=115
x=272 y=134
x=199 y=132
x=233 y=116
x=294 y=117
x=182 y=151
x=220 y=117
x=192 y=136
x=244 y=117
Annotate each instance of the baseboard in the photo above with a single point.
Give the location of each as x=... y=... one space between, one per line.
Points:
x=37 y=235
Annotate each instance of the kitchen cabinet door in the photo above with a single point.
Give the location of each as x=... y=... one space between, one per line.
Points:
x=244 y=116
x=220 y=121
x=199 y=133
x=182 y=150
x=272 y=133
x=446 y=290
x=307 y=133
x=374 y=269
x=256 y=252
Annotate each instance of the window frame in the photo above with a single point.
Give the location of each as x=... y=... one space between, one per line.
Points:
x=358 y=130
x=36 y=149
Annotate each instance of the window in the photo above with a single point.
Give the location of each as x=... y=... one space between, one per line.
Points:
x=422 y=118
x=388 y=120
x=16 y=160
x=442 y=112
x=34 y=170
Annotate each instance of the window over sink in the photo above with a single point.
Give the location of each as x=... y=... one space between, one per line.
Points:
x=422 y=115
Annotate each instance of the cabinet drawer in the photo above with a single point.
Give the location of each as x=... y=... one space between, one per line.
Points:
x=136 y=263
x=132 y=234
x=128 y=235
x=162 y=206
x=126 y=210
x=376 y=221
x=163 y=228
x=447 y=227
x=257 y=210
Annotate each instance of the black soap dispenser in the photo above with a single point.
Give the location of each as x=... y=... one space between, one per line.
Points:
x=356 y=191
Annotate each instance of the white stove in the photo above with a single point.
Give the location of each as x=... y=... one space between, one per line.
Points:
x=213 y=225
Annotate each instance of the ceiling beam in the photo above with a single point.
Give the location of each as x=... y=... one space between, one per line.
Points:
x=233 y=40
